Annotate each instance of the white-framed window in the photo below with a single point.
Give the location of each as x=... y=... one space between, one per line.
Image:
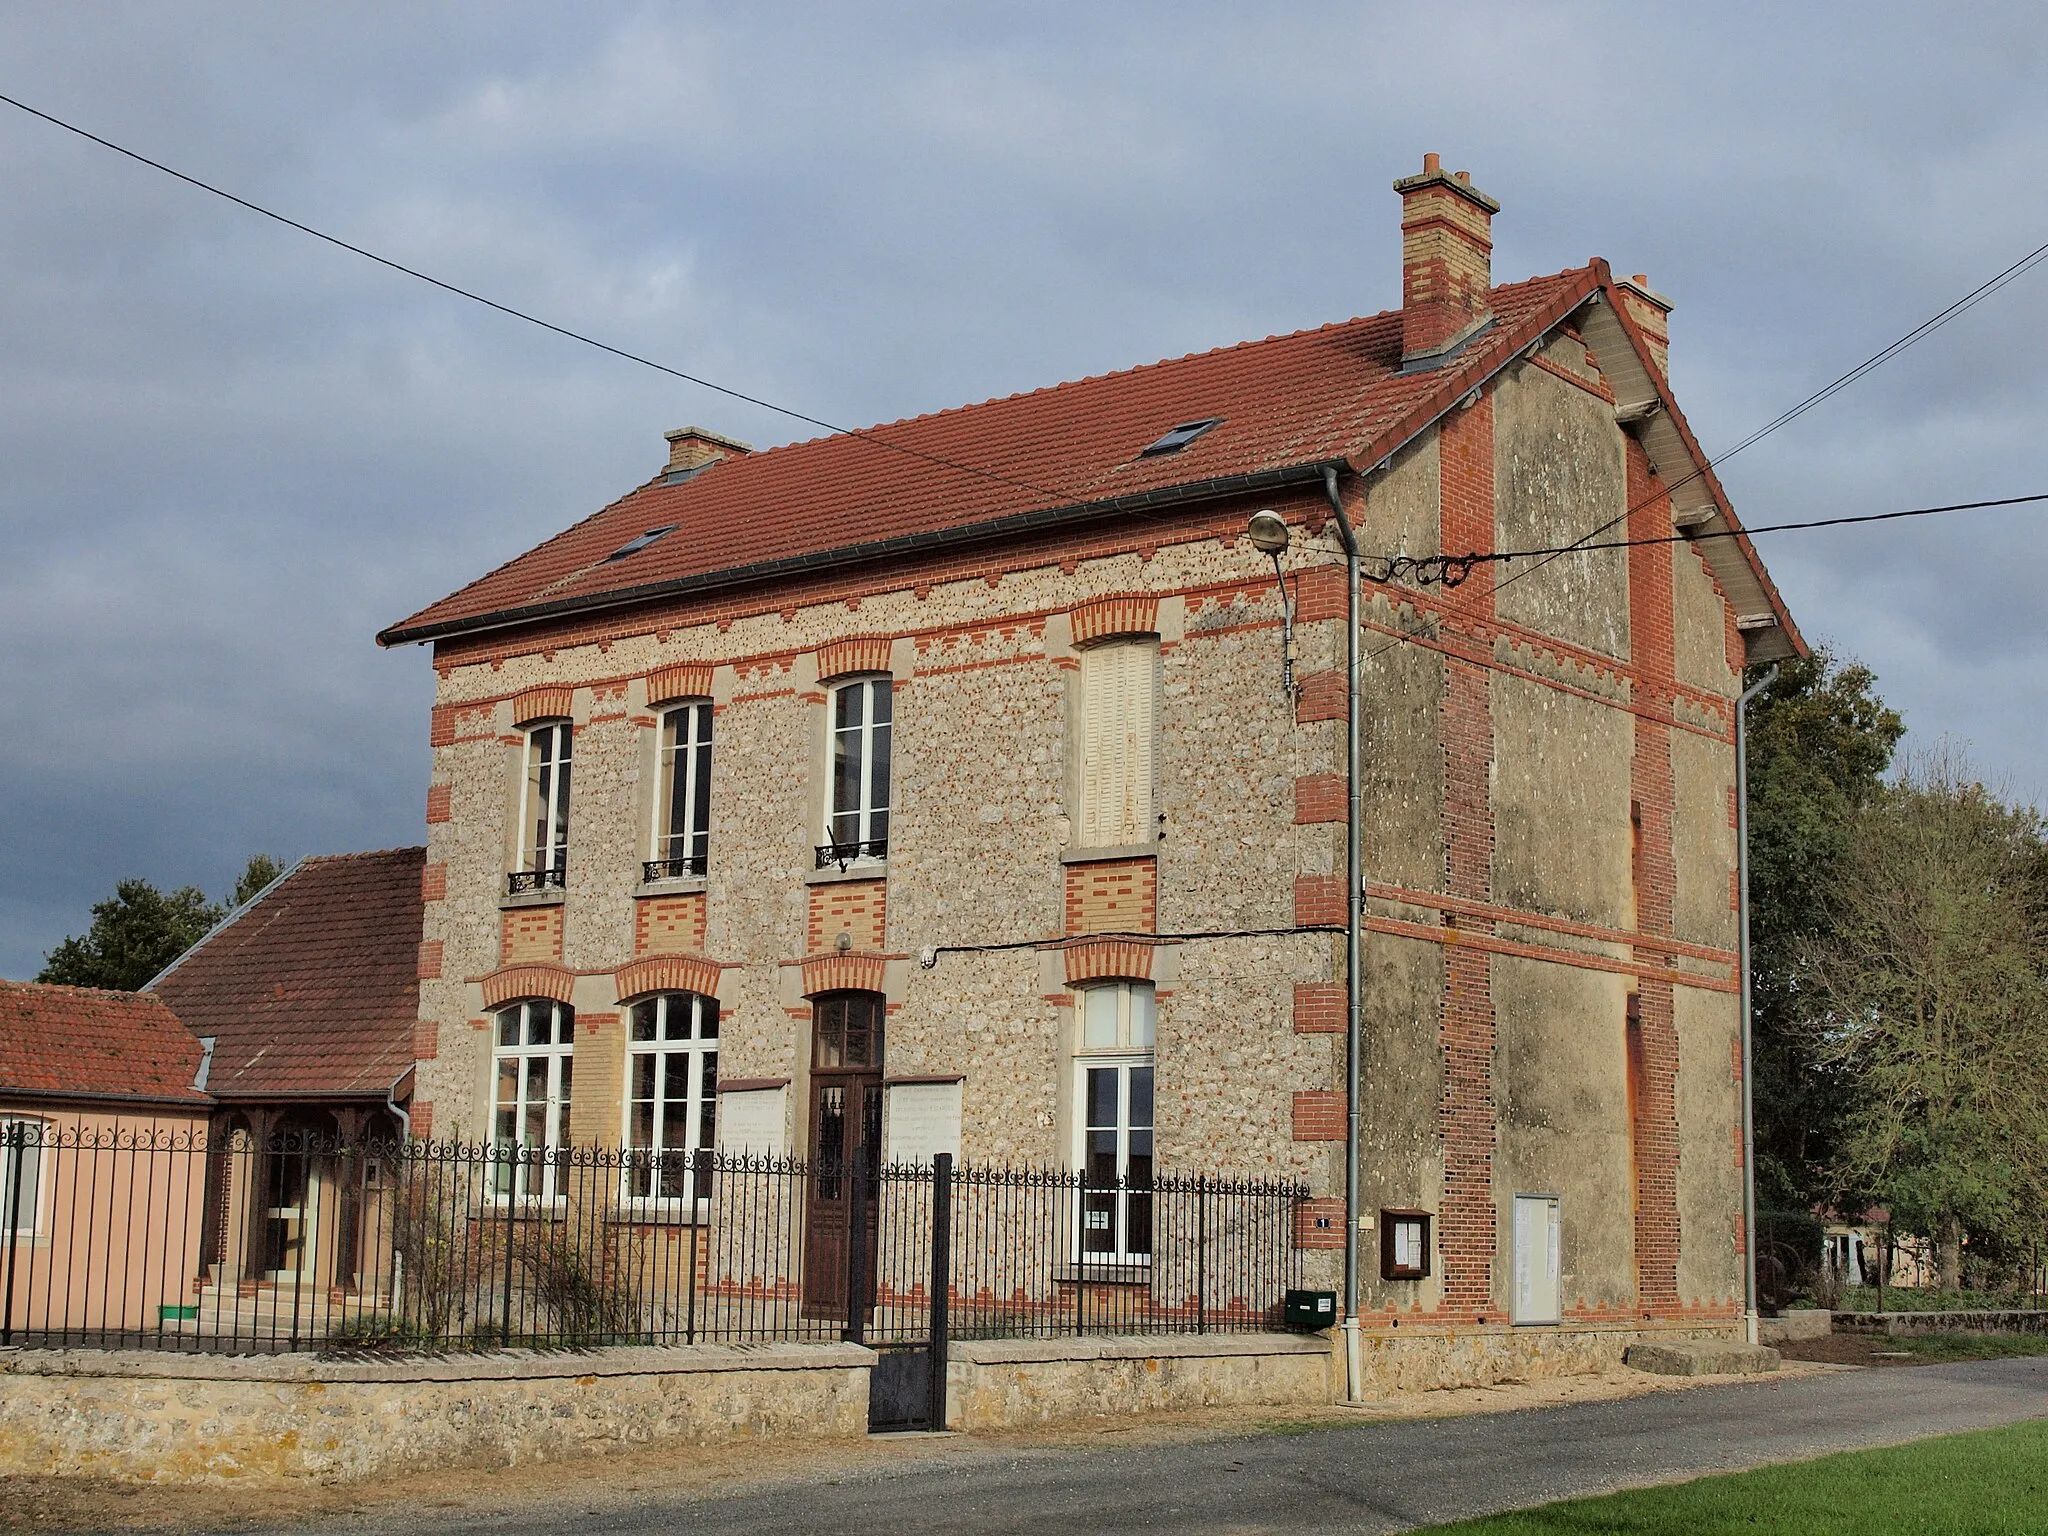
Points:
x=1538 y=1278
x=671 y=1094
x=1119 y=719
x=21 y=1175
x=1113 y=1121
x=857 y=820
x=544 y=806
x=533 y=1058
x=682 y=802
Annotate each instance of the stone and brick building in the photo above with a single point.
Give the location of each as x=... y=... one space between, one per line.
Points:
x=938 y=785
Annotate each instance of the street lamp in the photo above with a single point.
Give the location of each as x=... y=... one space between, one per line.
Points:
x=1270 y=535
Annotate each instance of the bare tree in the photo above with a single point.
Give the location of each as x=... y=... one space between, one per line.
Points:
x=1930 y=985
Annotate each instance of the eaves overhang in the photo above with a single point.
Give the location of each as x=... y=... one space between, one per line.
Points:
x=1309 y=473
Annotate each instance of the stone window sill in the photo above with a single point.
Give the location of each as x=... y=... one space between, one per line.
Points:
x=877 y=869
x=680 y=885
x=1109 y=855
x=552 y=896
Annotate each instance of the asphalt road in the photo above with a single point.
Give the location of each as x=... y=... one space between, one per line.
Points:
x=1357 y=1478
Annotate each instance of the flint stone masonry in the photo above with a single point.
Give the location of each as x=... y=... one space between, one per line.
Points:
x=147 y=1417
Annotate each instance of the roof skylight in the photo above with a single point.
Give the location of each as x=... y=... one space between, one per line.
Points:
x=640 y=541
x=1180 y=437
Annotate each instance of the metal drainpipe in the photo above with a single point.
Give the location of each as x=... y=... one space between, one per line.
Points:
x=1749 y=1323
x=1354 y=916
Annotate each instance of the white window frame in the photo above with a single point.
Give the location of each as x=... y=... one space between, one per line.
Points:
x=36 y=1143
x=685 y=767
x=556 y=1058
x=676 y=1128
x=545 y=781
x=866 y=822
x=1534 y=1214
x=1115 y=1030
x=1118 y=735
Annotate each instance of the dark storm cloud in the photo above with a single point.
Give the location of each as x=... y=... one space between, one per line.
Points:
x=232 y=454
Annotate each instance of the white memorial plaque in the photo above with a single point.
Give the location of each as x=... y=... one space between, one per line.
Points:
x=754 y=1121
x=922 y=1120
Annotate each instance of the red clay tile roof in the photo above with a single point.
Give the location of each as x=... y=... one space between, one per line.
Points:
x=78 y=1041
x=1315 y=397
x=314 y=989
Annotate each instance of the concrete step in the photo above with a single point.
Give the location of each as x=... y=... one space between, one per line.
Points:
x=1701 y=1357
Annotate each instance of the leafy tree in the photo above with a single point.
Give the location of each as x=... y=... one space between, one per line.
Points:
x=261 y=870
x=1820 y=741
x=1930 y=986
x=141 y=929
x=135 y=934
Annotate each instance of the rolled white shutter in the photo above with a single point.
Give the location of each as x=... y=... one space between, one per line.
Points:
x=1118 y=723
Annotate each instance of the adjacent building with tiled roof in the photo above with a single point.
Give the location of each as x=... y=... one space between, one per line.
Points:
x=979 y=782
x=310 y=992
x=76 y=1045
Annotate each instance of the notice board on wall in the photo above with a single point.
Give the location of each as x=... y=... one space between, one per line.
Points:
x=921 y=1120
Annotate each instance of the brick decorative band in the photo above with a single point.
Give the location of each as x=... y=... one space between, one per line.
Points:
x=1108 y=960
x=1319 y=1116
x=513 y=982
x=667 y=973
x=1318 y=797
x=688 y=680
x=860 y=653
x=1319 y=1224
x=1132 y=614
x=843 y=973
x=1319 y=1007
x=549 y=703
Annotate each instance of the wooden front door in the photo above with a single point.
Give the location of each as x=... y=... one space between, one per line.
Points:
x=845 y=1145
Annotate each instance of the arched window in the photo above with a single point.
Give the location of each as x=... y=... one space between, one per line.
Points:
x=536 y=1042
x=672 y=1093
x=544 y=808
x=682 y=806
x=1113 y=1120
x=857 y=821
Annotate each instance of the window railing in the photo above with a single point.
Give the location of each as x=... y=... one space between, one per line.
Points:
x=843 y=854
x=674 y=869
x=523 y=881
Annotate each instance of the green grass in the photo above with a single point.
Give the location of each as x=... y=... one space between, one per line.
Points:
x=1991 y=1483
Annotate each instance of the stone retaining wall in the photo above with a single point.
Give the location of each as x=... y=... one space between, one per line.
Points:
x=1421 y=1361
x=2018 y=1320
x=153 y=1417
x=993 y=1383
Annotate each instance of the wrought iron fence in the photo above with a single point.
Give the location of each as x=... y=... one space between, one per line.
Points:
x=228 y=1243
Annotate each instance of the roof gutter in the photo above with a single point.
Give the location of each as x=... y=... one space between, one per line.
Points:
x=871 y=550
x=188 y=1100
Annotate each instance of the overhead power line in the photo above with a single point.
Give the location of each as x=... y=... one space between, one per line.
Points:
x=533 y=319
x=1827 y=391
x=1451 y=570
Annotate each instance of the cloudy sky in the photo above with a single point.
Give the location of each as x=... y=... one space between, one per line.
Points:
x=228 y=454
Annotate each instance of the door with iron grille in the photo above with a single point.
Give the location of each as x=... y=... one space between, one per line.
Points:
x=842 y=1198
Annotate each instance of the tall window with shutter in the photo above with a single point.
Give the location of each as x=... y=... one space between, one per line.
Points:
x=1119 y=726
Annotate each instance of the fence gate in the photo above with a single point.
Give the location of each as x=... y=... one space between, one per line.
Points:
x=905 y=1320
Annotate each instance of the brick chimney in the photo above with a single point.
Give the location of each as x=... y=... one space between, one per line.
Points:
x=1446 y=260
x=1651 y=312
x=692 y=450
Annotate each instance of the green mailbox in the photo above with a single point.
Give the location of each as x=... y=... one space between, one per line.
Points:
x=1310 y=1310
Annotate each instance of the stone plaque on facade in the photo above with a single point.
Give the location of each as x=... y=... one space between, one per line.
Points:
x=922 y=1120
x=754 y=1121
